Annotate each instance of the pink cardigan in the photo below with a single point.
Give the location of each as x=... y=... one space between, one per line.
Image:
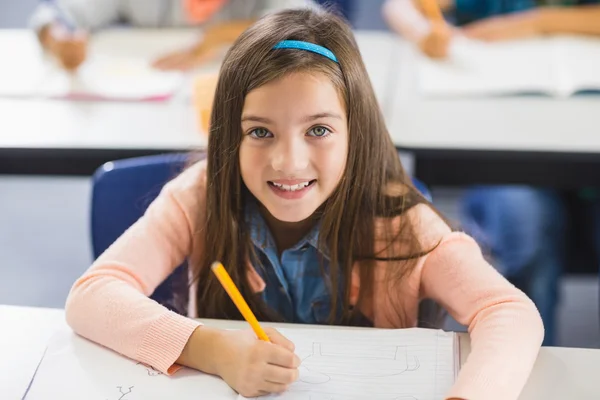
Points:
x=109 y=303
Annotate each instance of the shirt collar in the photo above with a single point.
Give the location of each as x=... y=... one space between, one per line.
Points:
x=261 y=235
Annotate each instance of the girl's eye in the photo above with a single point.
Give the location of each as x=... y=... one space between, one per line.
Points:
x=319 y=131
x=260 y=133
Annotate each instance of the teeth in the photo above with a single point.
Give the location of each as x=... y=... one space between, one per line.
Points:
x=291 y=188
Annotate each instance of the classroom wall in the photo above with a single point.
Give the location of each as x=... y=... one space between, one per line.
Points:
x=14 y=13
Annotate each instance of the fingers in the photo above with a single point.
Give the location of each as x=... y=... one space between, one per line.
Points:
x=270 y=387
x=278 y=338
x=284 y=376
x=282 y=357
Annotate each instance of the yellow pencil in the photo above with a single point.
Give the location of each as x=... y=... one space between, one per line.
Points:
x=432 y=10
x=238 y=300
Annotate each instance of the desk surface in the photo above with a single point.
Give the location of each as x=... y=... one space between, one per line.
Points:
x=75 y=137
x=559 y=373
x=502 y=123
x=538 y=140
x=517 y=140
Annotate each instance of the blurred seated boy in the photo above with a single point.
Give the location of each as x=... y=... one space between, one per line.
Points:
x=522 y=227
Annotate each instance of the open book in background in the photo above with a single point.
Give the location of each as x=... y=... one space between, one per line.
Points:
x=554 y=66
x=118 y=67
x=337 y=364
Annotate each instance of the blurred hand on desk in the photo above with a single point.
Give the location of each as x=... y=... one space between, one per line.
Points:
x=437 y=42
x=69 y=48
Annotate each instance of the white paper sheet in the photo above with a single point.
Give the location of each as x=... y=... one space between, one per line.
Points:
x=118 y=66
x=74 y=368
x=412 y=364
x=408 y=364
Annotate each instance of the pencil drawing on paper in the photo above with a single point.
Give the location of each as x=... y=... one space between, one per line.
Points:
x=372 y=362
x=123 y=392
x=150 y=369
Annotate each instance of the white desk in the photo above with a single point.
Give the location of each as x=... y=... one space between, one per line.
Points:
x=531 y=140
x=42 y=136
x=521 y=139
x=559 y=373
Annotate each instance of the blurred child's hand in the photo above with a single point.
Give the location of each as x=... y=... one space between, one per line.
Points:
x=437 y=42
x=186 y=59
x=507 y=27
x=70 y=48
x=253 y=367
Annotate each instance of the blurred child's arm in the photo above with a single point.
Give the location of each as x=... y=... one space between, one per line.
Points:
x=214 y=38
x=109 y=304
x=504 y=325
x=547 y=20
x=576 y=20
x=224 y=33
x=70 y=47
x=406 y=18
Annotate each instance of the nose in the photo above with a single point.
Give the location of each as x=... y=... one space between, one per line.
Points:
x=290 y=156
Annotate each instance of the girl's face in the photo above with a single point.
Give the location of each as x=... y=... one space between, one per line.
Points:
x=295 y=143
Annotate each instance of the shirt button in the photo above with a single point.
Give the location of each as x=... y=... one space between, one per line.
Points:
x=304 y=248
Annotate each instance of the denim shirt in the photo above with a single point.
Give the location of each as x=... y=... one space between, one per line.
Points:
x=295 y=287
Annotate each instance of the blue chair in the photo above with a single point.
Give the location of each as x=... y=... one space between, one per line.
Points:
x=121 y=192
x=422 y=188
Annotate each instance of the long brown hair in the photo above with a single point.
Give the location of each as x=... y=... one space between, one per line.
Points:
x=348 y=217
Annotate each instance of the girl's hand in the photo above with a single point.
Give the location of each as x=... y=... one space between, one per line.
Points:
x=437 y=41
x=253 y=367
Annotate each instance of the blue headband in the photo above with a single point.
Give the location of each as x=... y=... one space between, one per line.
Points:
x=301 y=45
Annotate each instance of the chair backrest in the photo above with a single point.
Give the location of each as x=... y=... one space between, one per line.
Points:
x=121 y=192
x=421 y=187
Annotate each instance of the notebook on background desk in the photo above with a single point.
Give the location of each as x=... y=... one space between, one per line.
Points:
x=337 y=364
x=118 y=66
x=552 y=66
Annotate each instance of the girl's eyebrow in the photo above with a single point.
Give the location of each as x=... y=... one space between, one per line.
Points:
x=321 y=115
x=256 y=118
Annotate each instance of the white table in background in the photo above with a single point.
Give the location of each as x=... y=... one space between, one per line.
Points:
x=559 y=373
x=511 y=139
x=41 y=136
